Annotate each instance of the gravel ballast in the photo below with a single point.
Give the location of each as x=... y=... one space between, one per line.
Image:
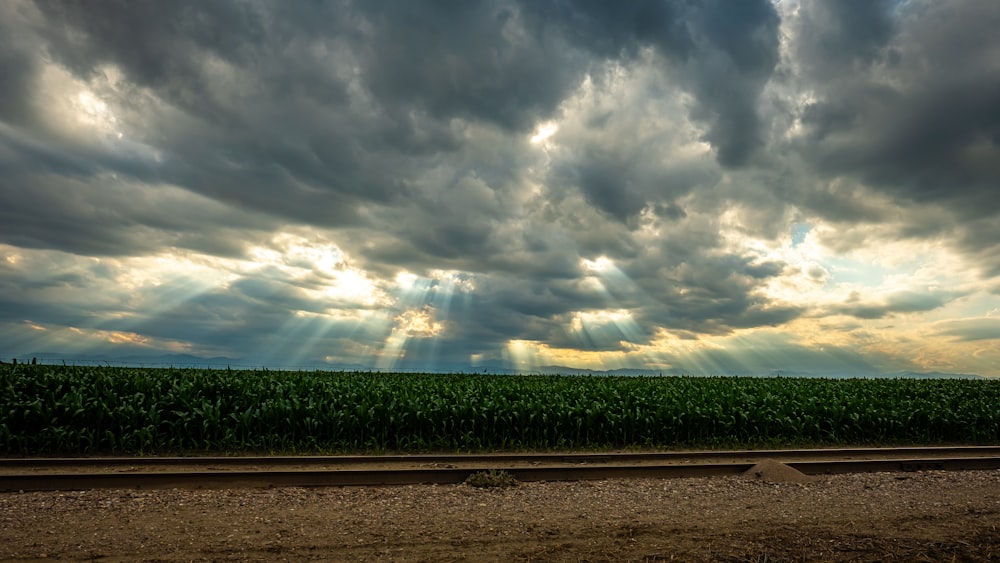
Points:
x=865 y=517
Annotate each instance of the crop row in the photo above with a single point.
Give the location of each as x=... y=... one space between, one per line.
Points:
x=80 y=410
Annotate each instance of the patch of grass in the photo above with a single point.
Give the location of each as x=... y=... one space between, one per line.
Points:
x=491 y=479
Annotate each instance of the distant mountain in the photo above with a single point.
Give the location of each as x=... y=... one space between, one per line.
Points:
x=133 y=360
x=931 y=375
x=564 y=370
x=493 y=367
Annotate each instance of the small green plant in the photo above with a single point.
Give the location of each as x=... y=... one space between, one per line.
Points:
x=491 y=479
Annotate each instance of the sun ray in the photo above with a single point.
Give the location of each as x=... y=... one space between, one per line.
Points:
x=608 y=276
x=521 y=355
x=441 y=301
x=412 y=323
x=424 y=305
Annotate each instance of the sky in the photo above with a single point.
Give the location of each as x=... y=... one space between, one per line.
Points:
x=703 y=187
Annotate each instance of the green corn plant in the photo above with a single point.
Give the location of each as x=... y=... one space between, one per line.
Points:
x=75 y=410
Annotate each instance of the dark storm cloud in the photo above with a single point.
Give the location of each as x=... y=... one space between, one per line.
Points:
x=399 y=133
x=743 y=40
x=17 y=68
x=249 y=104
x=907 y=108
x=724 y=51
x=109 y=217
x=971 y=329
x=308 y=116
x=630 y=176
x=608 y=186
x=838 y=36
x=503 y=308
x=898 y=303
x=257 y=318
x=159 y=45
x=244 y=318
x=212 y=96
x=682 y=285
x=463 y=59
x=713 y=295
x=54 y=288
x=980 y=239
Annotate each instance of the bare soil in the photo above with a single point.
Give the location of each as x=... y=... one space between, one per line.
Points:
x=926 y=516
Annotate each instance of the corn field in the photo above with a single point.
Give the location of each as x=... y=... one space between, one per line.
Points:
x=67 y=410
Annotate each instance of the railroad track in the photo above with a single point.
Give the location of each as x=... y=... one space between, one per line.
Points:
x=36 y=474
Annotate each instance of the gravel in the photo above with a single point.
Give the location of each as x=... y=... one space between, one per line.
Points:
x=929 y=515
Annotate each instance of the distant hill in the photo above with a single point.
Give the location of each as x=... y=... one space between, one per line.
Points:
x=497 y=368
x=134 y=360
x=931 y=375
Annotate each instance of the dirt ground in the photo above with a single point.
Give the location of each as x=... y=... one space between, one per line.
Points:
x=926 y=516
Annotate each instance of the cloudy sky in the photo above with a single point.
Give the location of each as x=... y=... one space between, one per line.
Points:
x=703 y=187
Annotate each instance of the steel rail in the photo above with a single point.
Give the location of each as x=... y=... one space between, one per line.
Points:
x=221 y=479
x=508 y=458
